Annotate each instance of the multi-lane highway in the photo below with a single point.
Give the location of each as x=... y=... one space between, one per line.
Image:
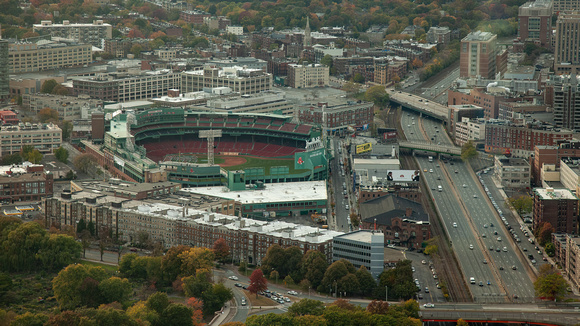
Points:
x=467 y=216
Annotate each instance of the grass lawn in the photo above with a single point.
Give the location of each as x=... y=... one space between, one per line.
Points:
x=108 y=268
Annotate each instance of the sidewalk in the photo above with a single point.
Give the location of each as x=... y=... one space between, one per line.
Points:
x=224 y=315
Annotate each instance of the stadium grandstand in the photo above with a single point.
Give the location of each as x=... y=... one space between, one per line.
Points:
x=163 y=144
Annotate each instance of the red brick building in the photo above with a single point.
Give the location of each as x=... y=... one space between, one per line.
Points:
x=32 y=185
x=552 y=155
x=559 y=207
x=480 y=97
x=8 y=117
x=521 y=140
x=337 y=116
x=194 y=16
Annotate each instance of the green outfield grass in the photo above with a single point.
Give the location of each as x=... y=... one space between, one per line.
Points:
x=257 y=162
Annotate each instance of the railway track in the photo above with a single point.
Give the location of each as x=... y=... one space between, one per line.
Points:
x=446 y=261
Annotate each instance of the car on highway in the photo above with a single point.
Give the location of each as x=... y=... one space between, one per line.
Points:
x=292 y=292
x=420 y=296
x=238 y=285
x=474 y=196
x=485 y=261
x=501 y=268
x=464 y=185
x=429 y=305
x=233 y=277
x=480 y=283
x=498 y=238
x=430 y=170
x=243 y=302
x=471 y=246
x=514 y=267
x=483 y=235
x=347 y=207
x=426 y=289
x=488 y=283
x=504 y=249
x=454 y=224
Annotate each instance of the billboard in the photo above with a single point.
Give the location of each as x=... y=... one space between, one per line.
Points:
x=403 y=175
x=310 y=159
x=363 y=148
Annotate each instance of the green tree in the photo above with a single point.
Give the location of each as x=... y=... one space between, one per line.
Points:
x=157 y=302
x=172 y=261
x=140 y=311
x=366 y=281
x=85 y=163
x=327 y=60
x=378 y=95
x=306 y=307
x=81 y=226
x=59 y=251
x=5 y=286
x=115 y=289
x=73 y=282
x=285 y=261
x=358 y=78
x=431 y=249
x=269 y=319
x=91 y=227
x=257 y=282
x=30 y=319
x=48 y=86
x=177 y=315
x=550 y=284
x=61 y=154
x=196 y=285
x=10 y=159
x=111 y=316
x=334 y=277
x=215 y=298
x=288 y=280
x=550 y=249
x=20 y=244
x=468 y=151
x=274 y=275
x=313 y=266
x=521 y=203
x=399 y=281
x=351 y=88
x=67 y=128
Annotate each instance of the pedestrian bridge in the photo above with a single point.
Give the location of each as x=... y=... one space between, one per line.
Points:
x=419 y=104
x=430 y=147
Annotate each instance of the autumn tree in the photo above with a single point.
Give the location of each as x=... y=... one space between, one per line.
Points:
x=115 y=289
x=274 y=275
x=171 y=262
x=195 y=259
x=31 y=154
x=550 y=283
x=521 y=203
x=47 y=115
x=75 y=284
x=461 y=322
x=351 y=88
x=399 y=281
x=85 y=162
x=313 y=266
x=197 y=308
x=285 y=261
x=221 y=250
x=468 y=151
x=378 y=307
x=307 y=307
x=257 y=282
x=545 y=233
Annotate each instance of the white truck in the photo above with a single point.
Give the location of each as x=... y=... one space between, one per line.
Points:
x=430 y=158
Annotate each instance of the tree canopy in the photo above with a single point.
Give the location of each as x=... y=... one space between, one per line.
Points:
x=521 y=203
x=550 y=283
x=468 y=151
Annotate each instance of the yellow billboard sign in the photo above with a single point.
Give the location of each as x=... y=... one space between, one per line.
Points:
x=363 y=148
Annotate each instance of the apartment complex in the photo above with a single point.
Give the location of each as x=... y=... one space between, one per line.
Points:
x=535 y=22
x=27 y=182
x=563 y=5
x=4 y=69
x=308 y=76
x=68 y=107
x=195 y=17
x=93 y=34
x=566 y=92
x=520 y=140
x=570 y=174
x=567 y=49
x=571 y=263
x=240 y=80
x=181 y=218
x=337 y=116
x=478 y=55
x=513 y=173
x=44 y=137
x=47 y=55
x=552 y=155
x=361 y=248
x=124 y=87
x=469 y=129
x=559 y=207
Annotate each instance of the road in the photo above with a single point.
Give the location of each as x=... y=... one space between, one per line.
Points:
x=340 y=177
x=469 y=214
x=424 y=274
x=437 y=91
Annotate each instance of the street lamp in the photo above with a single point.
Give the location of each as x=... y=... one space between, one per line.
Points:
x=386 y=294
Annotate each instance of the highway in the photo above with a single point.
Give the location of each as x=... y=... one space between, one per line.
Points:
x=515 y=282
x=456 y=203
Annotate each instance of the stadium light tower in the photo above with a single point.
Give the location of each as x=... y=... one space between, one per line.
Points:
x=210 y=135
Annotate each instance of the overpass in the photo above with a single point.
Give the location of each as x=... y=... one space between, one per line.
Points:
x=502 y=314
x=419 y=104
x=430 y=147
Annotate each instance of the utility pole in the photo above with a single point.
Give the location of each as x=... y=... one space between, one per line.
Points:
x=386 y=294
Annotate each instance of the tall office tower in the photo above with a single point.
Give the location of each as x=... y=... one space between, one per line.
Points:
x=535 y=19
x=478 y=55
x=567 y=52
x=566 y=101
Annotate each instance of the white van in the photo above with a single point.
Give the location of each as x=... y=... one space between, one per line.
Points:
x=472 y=280
x=439 y=188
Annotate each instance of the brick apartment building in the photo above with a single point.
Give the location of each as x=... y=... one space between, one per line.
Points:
x=489 y=101
x=24 y=183
x=535 y=22
x=559 y=207
x=337 y=116
x=521 y=140
x=544 y=154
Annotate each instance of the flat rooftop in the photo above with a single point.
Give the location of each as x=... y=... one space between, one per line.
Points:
x=478 y=36
x=554 y=194
x=365 y=236
x=272 y=192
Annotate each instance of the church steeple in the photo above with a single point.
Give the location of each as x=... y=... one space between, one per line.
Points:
x=307 y=37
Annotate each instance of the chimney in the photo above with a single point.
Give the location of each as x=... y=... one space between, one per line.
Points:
x=408 y=212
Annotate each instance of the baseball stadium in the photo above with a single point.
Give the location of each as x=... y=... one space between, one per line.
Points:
x=173 y=143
